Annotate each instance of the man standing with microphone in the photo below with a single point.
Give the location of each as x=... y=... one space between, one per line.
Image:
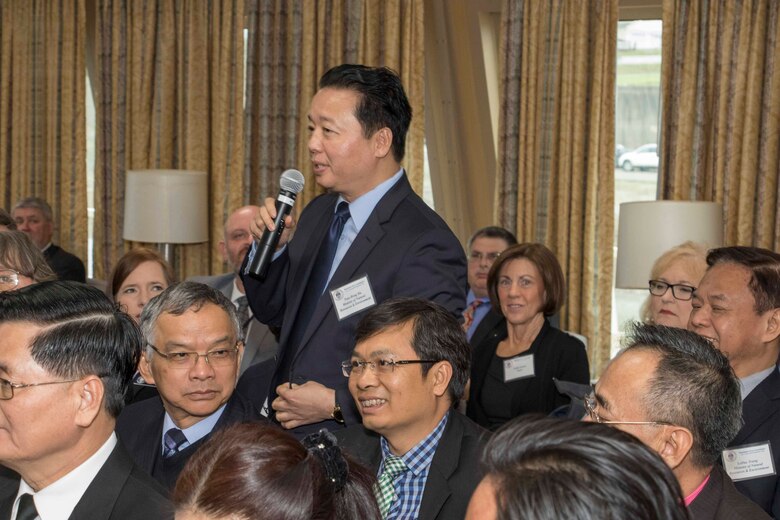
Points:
x=370 y=238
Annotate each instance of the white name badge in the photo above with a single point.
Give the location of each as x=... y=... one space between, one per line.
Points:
x=518 y=368
x=352 y=297
x=749 y=461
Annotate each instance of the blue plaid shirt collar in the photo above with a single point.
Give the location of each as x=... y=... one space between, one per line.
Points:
x=419 y=458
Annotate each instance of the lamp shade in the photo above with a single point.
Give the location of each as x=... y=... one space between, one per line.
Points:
x=166 y=206
x=648 y=229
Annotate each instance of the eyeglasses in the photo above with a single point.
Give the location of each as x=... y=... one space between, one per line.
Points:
x=382 y=366
x=679 y=291
x=478 y=257
x=7 y=388
x=591 y=405
x=221 y=357
x=9 y=279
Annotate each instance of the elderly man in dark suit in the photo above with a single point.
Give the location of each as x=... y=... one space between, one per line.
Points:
x=409 y=367
x=193 y=351
x=674 y=392
x=737 y=308
x=369 y=239
x=259 y=341
x=33 y=215
x=67 y=358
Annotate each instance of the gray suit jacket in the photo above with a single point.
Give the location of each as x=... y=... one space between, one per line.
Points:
x=260 y=343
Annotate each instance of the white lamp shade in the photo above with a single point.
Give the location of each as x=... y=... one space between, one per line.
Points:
x=166 y=206
x=648 y=229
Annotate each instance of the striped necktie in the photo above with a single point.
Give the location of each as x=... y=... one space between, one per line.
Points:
x=173 y=440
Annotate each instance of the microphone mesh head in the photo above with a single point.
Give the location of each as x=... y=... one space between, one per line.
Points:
x=292 y=181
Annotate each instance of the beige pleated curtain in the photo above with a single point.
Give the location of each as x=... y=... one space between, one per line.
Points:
x=42 y=121
x=556 y=148
x=291 y=44
x=721 y=112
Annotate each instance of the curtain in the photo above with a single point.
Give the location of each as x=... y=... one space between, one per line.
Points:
x=720 y=88
x=556 y=148
x=42 y=103
x=291 y=44
x=169 y=95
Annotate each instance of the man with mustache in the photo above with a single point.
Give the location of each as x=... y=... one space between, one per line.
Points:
x=192 y=352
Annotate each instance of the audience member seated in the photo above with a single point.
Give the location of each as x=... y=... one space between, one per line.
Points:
x=140 y=275
x=669 y=388
x=258 y=471
x=66 y=360
x=673 y=278
x=21 y=263
x=737 y=308
x=512 y=370
x=33 y=215
x=6 y=221
x=260 y=343
x=409 y=367
x=483 y=248
x=193 y=351
x=541 y=468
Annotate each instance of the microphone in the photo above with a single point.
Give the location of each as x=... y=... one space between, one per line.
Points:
x=290 y=184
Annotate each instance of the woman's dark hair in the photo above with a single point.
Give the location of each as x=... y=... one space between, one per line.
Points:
x=546 y=264
x=257 y=470
x=130 y=261
x=544 y=469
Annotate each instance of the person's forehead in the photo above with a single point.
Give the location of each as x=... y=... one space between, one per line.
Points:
x=240 y=220
x=28 y=212
x=209 y=318
x=395 y=339
x=727 y=279
x=628 y=374
x=489 y=244
x=16 y=337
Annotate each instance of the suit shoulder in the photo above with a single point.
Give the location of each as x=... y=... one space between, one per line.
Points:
x=142 y=498
x=137 y=415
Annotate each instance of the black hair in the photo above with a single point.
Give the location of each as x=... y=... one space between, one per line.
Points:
x=494 y=232
x=82 y=334
x=546 y=469
x=383 y=102
x=693 y=386
x=436 y=335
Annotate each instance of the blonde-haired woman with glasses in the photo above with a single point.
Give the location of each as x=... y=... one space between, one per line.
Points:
x=21 y=262
x=673 y=278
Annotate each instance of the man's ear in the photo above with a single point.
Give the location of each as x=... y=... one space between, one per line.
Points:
x=383 y=142
x=240 y=356
x=145 y=368
x=676 y=444
x=441 y=374
x=90 y=394
x=772 y=331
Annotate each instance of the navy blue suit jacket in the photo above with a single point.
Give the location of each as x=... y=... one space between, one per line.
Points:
x=405 y=248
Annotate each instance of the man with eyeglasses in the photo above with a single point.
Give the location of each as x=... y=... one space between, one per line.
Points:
x=737 y=308
x=193 y=353
x=483 y=248
x=409 y=366
x=67 y=358
x=669 y=388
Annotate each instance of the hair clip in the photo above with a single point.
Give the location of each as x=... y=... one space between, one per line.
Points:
x=324 y=446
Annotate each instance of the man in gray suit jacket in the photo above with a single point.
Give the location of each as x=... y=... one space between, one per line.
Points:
x=259 y=341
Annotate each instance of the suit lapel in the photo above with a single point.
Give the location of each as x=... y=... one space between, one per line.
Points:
x=756 y=408
x=101 y=495
x=485 y=327
x=445 y=461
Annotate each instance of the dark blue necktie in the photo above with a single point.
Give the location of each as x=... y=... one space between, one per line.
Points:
x=173 y=440
x=314 y=288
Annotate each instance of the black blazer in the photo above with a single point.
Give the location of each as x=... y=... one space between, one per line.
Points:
x=454 y=473
x=720 y=500
x=66 y=265
x=140 y=428
x=761 y=416
x=556 y=355
x=405 y=248
x=120 y=491
x=492 y=324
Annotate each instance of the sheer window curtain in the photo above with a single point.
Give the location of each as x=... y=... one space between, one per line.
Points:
x=556 y=148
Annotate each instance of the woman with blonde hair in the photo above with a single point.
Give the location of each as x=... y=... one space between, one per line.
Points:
x=673 y=278
x=21 y=262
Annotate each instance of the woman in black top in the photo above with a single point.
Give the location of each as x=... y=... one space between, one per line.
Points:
x=512 y=370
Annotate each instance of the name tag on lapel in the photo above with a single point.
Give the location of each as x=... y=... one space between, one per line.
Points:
x=749 y=461
x=519 y=367
x=352 y=297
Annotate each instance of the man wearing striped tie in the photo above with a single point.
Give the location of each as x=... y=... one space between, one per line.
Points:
x=408 y=368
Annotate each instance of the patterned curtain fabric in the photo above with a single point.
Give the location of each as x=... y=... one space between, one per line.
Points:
x=721 y=112
x=556 y=148
x=291 y=44
x=169 y=95
x=42 y=122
